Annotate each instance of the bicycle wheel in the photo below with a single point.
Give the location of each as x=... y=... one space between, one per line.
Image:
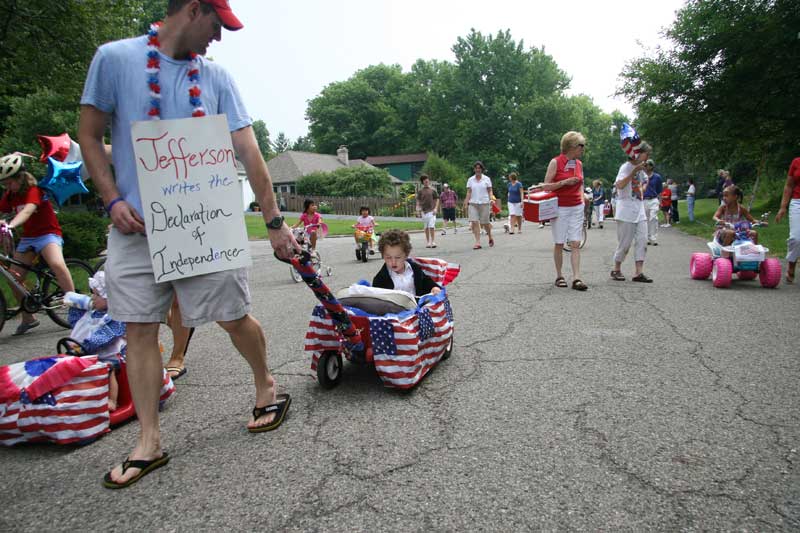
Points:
x=3 y=309
x=568 y=247
x=53 y=296
x=101 y=263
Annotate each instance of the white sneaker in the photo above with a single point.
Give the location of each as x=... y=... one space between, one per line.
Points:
x=666 y=225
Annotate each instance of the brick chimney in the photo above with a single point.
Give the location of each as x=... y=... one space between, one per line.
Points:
x=343 y=155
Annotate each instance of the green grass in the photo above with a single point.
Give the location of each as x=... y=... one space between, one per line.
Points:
x=773 y=236
x=257 y=230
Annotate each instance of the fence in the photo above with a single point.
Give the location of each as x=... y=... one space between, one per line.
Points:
x=352 y=206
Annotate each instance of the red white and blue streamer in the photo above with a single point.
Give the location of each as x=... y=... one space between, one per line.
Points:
x=154 y=68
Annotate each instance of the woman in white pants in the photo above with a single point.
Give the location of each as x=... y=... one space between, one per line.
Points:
x=791 y=200
x=630 y=215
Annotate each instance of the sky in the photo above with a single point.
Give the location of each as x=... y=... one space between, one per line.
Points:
x=289 y=51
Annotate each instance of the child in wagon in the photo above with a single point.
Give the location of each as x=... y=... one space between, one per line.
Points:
x=398 y=272
x=97 y=333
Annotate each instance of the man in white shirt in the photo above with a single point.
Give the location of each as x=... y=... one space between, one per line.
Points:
x=478 y=204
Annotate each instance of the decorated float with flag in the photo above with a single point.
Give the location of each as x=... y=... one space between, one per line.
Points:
x=404 y=339
x=63 y=400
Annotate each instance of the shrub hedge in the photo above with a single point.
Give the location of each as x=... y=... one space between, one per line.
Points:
x=84 y=234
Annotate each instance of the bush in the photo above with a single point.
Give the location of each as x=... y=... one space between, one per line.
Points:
x=84 y=234
x=325 y=208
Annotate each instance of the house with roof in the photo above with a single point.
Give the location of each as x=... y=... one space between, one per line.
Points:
x=404 y=166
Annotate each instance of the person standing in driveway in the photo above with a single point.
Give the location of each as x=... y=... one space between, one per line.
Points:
x=448 y=200
x=652 y=201
x=427 y=206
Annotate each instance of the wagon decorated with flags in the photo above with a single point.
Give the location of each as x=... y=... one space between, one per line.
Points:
x=63 y=399
x=404 y=340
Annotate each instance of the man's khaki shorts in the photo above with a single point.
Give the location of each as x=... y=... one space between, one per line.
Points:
x=134 y=296
x=479 y=213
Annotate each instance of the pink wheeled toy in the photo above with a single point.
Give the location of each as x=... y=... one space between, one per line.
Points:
x=743 y=257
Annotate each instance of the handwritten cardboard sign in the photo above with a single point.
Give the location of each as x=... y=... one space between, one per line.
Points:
x=191 y=196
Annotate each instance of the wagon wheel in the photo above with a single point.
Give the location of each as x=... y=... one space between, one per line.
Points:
x=449 y=350
x=329 y=369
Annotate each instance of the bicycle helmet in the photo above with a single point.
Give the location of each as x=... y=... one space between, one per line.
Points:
x=10 y=165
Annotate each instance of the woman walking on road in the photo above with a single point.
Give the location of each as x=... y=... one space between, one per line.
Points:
x=478 y=203
x=565 y=178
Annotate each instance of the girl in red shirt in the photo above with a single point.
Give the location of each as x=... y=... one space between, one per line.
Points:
x=41 y=233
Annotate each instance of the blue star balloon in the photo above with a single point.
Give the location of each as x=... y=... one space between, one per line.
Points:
x=63 y=180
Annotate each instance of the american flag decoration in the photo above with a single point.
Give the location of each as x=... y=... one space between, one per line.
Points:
x=63 y=400
x=58 y=399
x=629 y=140
x=403 y=347
x=438 y=270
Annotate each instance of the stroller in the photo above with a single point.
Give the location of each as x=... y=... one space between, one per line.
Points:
x=403 y=342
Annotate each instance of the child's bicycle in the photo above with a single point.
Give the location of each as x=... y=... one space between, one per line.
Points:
x=364 y=235
x=584 y=234
x=743 y=257
x=305 y=243
x=38 y=285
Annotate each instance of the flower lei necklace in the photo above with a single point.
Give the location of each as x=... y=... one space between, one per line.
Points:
x=153 y=68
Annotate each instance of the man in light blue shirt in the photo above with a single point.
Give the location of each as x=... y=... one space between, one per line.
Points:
x=130 y=81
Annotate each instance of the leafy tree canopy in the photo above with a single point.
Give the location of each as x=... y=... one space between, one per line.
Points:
x=499 y=101
x=725 y=93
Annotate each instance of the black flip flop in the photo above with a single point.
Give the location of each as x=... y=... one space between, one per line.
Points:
x=641 y=278
x=180 y=371
x=561 y=282
x=145 y=468
x=280 y=408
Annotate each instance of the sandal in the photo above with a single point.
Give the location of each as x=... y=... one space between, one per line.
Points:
x=280 y=408
x=179 y=371
x=579 y=285
x=641 y=278
x=477 y=247
x=616 y=275
x=491 y=242
x=145 y=467
x=24 y=327
x=561 y=282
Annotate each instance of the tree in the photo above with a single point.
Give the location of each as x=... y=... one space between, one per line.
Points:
x=500 y=102
x=262 y=138
x=281 y=143
x=359 y=112
x=443 y=171
x=304 y=144
x=724 y=92
x=49 y=45
x=347 y=181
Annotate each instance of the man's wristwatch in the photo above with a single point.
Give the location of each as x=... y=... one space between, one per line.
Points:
x=275 y=223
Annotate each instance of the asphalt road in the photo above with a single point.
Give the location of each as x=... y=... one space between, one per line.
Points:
x=671 y=406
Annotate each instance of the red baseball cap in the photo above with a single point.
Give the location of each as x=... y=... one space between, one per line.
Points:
x=229 y=21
